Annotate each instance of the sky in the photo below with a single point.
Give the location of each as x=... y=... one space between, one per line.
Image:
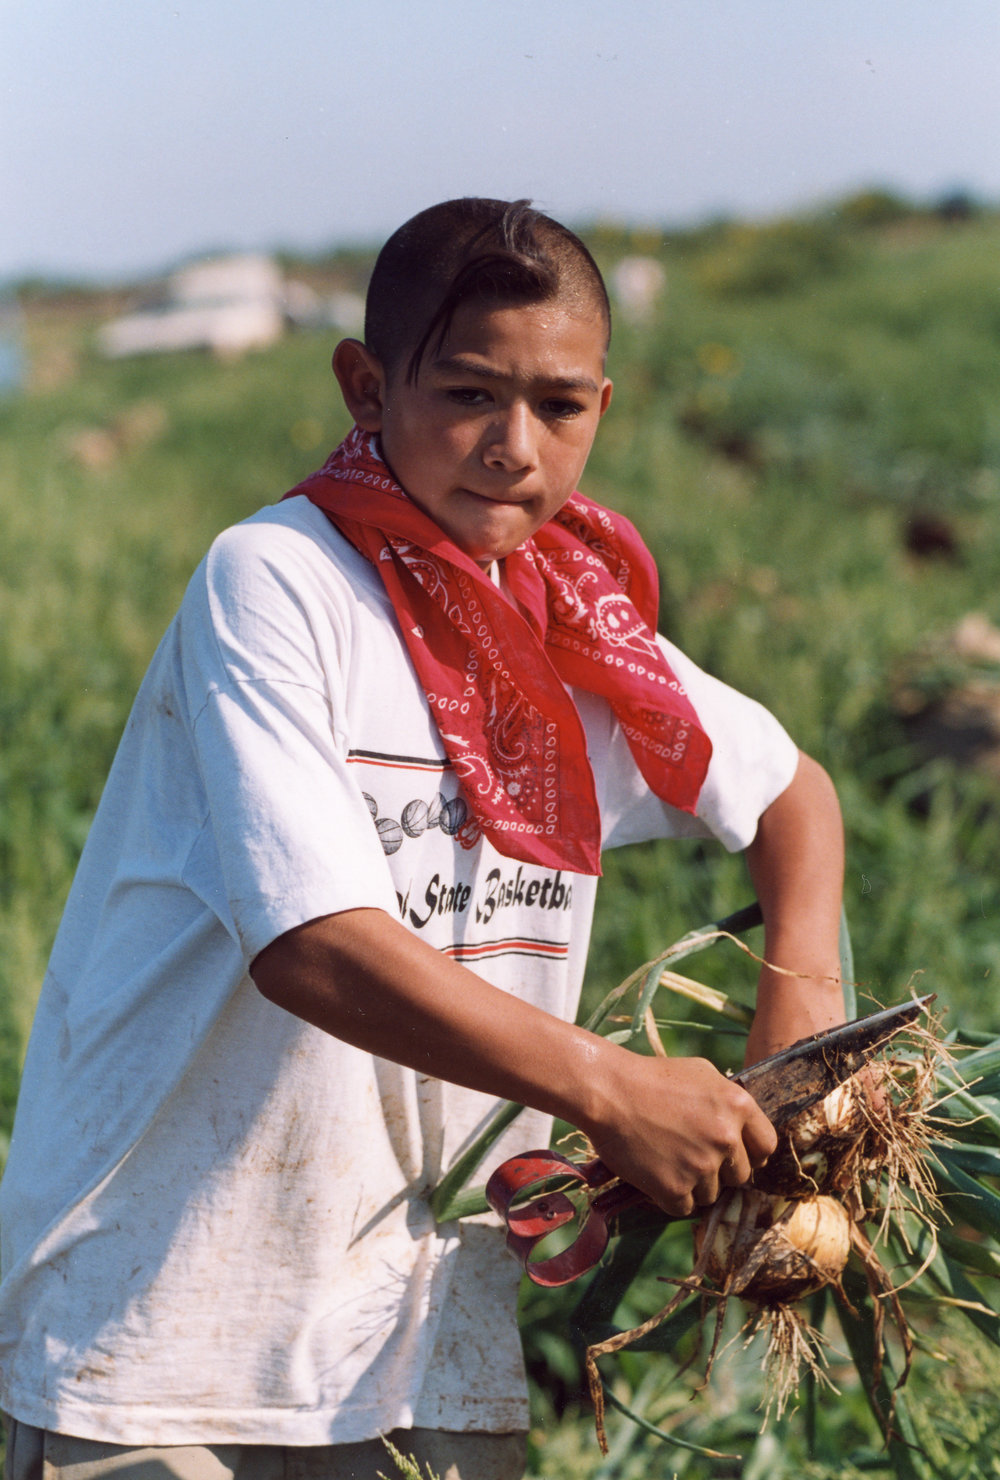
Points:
x=138 y=133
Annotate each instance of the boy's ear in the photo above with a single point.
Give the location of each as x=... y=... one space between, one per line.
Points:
x=606 y=390
x=362 y=383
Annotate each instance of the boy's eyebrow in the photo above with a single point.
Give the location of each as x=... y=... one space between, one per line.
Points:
x=461 y=365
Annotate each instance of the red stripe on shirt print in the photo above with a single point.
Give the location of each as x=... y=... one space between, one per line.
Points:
x=511 y=945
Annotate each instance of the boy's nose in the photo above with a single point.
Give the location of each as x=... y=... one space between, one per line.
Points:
x=510 y=441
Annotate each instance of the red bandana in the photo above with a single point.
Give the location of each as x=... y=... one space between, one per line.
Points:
x=495 y=674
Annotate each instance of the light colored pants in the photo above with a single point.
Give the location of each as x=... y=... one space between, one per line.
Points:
x=36 y=1454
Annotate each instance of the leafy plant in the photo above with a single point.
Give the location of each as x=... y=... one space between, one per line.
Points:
x=939 y=1268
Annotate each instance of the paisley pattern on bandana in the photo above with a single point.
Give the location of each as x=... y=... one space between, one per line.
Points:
x=495 y=672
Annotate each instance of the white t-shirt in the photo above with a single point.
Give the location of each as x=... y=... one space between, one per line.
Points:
x=214 y=1222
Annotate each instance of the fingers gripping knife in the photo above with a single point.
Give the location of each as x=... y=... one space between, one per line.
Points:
x=783 y=1085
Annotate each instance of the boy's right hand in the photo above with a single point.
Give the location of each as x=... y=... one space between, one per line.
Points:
x=681 y=1132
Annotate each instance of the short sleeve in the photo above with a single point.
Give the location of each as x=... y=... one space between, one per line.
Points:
x=753 y=761
x=291 y=828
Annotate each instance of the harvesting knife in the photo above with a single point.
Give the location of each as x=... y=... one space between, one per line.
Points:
x=783 y=1085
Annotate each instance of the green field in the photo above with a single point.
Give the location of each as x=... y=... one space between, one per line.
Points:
x=807 y=432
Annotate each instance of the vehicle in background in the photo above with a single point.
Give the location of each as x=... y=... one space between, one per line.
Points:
x=227 y=305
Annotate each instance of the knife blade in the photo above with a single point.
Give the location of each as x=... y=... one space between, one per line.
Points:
x=788 y=1082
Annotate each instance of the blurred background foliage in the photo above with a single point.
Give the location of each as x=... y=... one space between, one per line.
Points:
x=805 y=427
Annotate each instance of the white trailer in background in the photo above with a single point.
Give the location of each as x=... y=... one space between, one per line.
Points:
x=228 y=306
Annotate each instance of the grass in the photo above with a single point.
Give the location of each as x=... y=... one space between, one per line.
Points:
x=797 y=401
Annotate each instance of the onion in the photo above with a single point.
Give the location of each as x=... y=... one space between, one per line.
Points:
x=771 y=1250
x=819 y=1151
x=860 y=1155
x=840 y=1115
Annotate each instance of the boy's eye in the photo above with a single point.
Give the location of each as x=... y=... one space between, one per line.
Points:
x=561 y=410
x=467 y=395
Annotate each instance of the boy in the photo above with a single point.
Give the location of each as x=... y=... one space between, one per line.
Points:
x=336 y=900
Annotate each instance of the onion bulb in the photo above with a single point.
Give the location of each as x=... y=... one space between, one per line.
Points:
x=771 y=1250
x=820 y=1149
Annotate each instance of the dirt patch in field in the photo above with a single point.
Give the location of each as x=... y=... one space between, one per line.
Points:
x=948 y=696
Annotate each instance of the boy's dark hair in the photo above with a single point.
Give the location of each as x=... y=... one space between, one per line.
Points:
x=495 y=252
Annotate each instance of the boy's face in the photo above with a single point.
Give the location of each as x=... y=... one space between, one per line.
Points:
x=492 y=437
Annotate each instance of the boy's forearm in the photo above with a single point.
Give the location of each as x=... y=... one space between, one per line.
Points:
x=364 y=978
x=796 y=863
x=677 y=1128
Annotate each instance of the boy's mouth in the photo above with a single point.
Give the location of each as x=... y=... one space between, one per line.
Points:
x=507 y=500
